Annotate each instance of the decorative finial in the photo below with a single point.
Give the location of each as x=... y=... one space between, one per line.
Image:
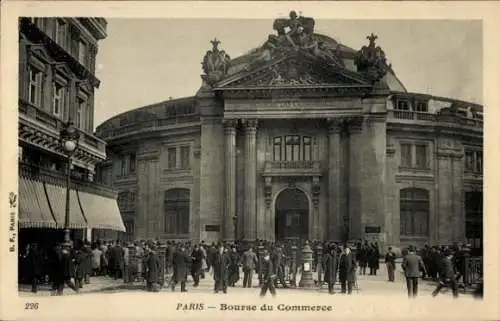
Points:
x=372 y=39
x=215 y=43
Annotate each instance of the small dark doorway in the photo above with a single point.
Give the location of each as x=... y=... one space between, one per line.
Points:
x=292 y=215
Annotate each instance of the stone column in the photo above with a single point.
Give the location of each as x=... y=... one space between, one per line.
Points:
x=230 y=179
x=352 y=219
x=249 y=229
x=334 y=220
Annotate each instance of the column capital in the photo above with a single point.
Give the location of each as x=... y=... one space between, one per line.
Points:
x=249 y=124
x=335 y=125
x=355 y=124
x=229 y=126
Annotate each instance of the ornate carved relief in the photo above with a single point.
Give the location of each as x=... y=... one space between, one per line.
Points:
x=268 y=191
x=315 y=191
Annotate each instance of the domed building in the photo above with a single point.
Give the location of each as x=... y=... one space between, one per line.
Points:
x=301 y=138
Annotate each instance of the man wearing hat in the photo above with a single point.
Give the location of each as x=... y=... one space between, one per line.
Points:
x=447 y=275
x=221 y=269
x=180 y=263
x=390 y=262
x=412 y=263
x=347 y=269
x=331 y=268
x=268 y=276
x=153 y=268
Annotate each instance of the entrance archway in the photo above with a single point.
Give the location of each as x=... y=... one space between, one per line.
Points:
x=291 y=215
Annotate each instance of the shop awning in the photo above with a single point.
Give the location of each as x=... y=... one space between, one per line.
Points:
x=34 y=210
x=57 y=200
x=101 y=212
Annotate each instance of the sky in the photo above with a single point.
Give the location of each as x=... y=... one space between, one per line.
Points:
x=144 y=61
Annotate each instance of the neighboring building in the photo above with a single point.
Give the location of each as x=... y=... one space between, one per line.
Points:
x=56 y=84
x=300 y=138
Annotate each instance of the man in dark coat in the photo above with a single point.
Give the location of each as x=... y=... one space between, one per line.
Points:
x=234 y=267
x=268 y=276
x=180 y=264
x=211 y=252
x=331 y=263
x=412 y=263
x=347 y=270
x=34 y=266
x=80 y=257
x=447 y=276
x=116 y=260
x=390 y=262
x=249 y=262
x=62 y=269
x=278 y=259
x=153 y=268
x=197 y=257
x=221 y=262
x=170 y=256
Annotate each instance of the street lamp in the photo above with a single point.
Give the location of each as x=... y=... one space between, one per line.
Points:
x=69 y=142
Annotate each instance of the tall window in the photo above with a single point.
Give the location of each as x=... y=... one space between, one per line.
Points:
x=82 y=53
x=60 y=33
x=177 y=211
x=185 y=156
x=406 y=155
x=292 y=147
x=414 y=212
x=307 y=150
x=58 y=100
x=131 y=164
x=81 y=113
x=35 y=87
x=277 y=148
x=123 y=168
x=474 y=161
x=403 y=105
x=172 y=157
x=421 y=156
x=421 y=107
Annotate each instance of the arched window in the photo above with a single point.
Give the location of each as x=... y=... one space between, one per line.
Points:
x=177 y=211
x=414 y=212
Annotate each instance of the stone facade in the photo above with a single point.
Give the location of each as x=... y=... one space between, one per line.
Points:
x=372 y=160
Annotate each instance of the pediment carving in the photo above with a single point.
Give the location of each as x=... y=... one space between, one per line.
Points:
x=40 y=52
x=63 y=68
x=296 y=71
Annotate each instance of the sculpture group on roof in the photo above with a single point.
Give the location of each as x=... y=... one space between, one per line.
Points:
x=296 y=35
x=215 y=63
x=371 y=60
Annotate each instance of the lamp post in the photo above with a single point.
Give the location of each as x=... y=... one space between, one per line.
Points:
x=69 y=142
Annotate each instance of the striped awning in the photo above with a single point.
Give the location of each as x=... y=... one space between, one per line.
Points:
x=57 y=200
x=101 y=212
x=34 y=210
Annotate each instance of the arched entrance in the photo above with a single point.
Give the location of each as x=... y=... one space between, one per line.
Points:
x=291 y=215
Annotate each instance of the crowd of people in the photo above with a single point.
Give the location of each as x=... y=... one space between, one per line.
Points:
x=170 y=263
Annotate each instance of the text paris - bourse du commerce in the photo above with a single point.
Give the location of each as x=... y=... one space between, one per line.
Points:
x=265 y=307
